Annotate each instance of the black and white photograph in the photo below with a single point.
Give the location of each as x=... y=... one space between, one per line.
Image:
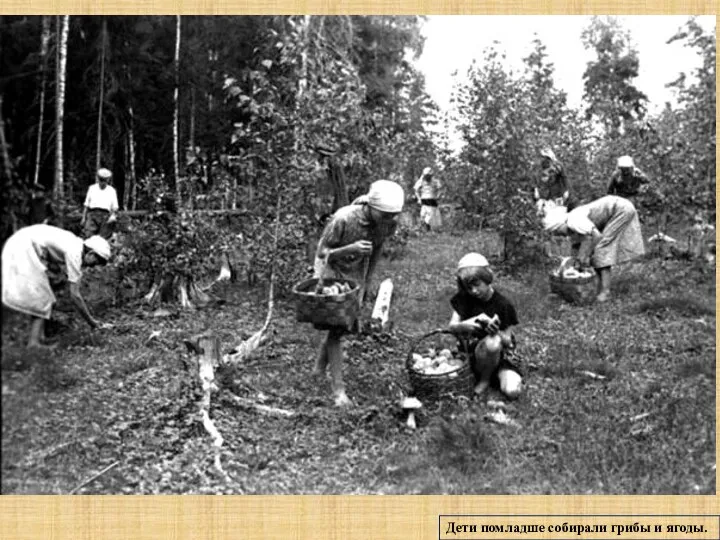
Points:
x=358 y=254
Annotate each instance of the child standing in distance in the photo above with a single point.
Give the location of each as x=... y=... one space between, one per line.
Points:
x=487 y=317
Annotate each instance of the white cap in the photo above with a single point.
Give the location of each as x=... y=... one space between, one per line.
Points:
x=625 y=162
x=472 y=259
x=99 y=245
x=104 y=174
x=426 y=171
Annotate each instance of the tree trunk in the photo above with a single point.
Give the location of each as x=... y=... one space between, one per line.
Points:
x=191 y=136
x=337 y=181
x=7 y=167
x=59 y=188
x=44 y=45
x=98 y=150
x=128 y=182
x=176 y=113
x=133 y=178
x=155 y=291
x=302 y=78
x=234 y=192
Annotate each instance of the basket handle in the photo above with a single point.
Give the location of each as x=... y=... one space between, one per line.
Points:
x=366 y=269
x=321 y=279
x=462 y=339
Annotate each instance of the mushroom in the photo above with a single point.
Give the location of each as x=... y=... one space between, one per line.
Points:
x=410 y=404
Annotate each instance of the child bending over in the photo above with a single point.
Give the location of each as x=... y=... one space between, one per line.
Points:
x=486 y=317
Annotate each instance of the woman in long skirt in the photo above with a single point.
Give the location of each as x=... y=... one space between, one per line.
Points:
x=603 y=233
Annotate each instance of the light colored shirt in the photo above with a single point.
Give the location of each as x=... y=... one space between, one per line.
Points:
x=425 y=189
x=55 y=245
x=101 y=198
x=350 y=224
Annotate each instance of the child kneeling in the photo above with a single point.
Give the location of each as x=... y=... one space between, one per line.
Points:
x=485 y=315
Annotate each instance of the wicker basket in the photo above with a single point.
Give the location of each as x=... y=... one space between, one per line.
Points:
x=327 y=311
x=459 y=382
x=579 y=290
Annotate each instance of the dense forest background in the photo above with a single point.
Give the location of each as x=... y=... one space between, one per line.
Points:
x=218 y=112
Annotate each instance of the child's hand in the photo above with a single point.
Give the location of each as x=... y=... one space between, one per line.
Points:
x=362 y=247
x=491 y=326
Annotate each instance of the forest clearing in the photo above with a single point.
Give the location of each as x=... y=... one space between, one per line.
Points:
x=129 y=396
x=169 y=181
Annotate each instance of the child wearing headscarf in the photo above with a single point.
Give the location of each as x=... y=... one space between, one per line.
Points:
x=487 y=317
x=349 y=248
x=26 y=286
x=427 y=192
x=603 y=233
x=554 y=184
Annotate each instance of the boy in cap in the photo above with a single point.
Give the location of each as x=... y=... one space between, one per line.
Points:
x=349 y=248
x=100 y=208
x=486 y=316
x=26 y=285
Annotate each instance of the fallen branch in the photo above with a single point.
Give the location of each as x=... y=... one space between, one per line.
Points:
x=98 y=475
x=592 y=375
x=32 y=458
x=208 y=347
x=139 y=213
x=250 y=345
x=248 y=403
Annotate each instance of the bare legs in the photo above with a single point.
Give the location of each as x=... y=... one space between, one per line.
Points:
x=486 y=360
x=604 y=278
x=331 y=353
x=37 y=334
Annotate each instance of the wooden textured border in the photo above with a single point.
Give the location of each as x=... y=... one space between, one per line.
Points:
x=321 y=517
x=338 y=7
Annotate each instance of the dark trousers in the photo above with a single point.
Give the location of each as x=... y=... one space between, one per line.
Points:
x=96 y=222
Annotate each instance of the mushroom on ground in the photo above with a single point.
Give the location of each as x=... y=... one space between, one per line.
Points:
x=410 y=404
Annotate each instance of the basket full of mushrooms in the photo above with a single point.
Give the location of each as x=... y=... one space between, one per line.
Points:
x=327 y=302
x=575 y=285
x=438 y=365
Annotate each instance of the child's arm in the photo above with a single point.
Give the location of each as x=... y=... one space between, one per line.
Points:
x=587 y=246
x=474 y=324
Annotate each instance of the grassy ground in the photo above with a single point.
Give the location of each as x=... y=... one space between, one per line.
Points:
x=120 y=398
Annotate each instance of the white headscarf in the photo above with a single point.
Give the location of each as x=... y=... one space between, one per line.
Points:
x=386 y=196
x=625 y=162
x=99 y=245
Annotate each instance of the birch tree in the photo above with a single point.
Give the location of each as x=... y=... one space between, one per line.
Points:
x=176 y=115
x=44 y=46
x=98 y=153
x=59 y=188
